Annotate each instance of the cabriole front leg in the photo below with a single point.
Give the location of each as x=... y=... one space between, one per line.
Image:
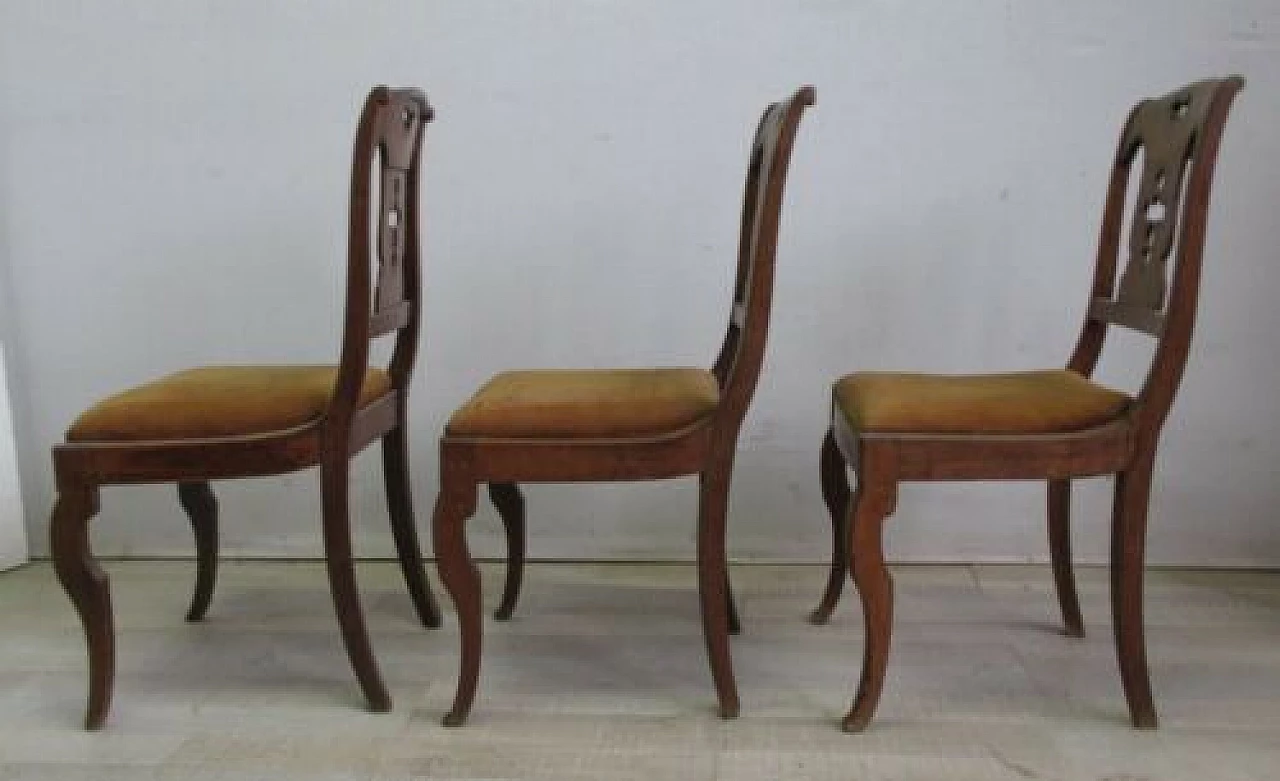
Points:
x=86 y=585
x=461 y=579
x=874 y=503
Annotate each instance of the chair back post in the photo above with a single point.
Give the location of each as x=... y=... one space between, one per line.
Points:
x=1084 y=358
x=1165 y=375
x=388 y=143
x=1179 y=135
x=737 y=367
x=405 y=351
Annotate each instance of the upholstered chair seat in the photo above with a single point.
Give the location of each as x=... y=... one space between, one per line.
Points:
x=1033 y=402
x=219 y=401
x=587 y=403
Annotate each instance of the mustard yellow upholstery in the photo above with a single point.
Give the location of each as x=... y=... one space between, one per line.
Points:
x=1038 y=402
x=218 y=401
x=601 y=403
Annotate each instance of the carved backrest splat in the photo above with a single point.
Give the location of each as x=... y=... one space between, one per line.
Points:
x=1178 y=136
x=766 y=173
x=398 y=129
x=1168 y=132
x=390 y=285
x=1165 y=129
x=382 y=237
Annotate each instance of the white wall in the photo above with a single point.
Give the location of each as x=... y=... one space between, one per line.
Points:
x=13 y=532
x=13 y=535
x=172 y=183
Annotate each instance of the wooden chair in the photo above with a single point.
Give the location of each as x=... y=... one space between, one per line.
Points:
x=222 y=422
x=1047 y=425
x=639 y=424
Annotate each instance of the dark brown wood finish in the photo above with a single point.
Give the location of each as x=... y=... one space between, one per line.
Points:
x=388 y=142
x=705 y=448
x=1178 y=136
x=509 y=502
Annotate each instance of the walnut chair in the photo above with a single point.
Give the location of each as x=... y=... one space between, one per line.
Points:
x=221 y=422
x=626 y=424
x=1044 y=425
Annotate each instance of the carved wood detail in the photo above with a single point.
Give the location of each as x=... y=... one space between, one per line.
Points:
x=399 y=126
x=1165 y=130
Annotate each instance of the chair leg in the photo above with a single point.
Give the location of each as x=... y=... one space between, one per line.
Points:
x=872 y=504
x=86 y=585
x=509 y=502
x=461 y=579
x=1059 y=501
x=395 y=473
x=713 y=579
x=1128 y=540
x=201 y=506
x=835 y=494
x=342 y=582
x=731 y=605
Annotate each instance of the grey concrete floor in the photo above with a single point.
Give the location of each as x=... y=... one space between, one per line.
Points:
x=602 y=675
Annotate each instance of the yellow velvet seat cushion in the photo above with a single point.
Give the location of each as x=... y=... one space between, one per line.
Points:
x=1036 y=402
x=590 y=403
x=218 y=401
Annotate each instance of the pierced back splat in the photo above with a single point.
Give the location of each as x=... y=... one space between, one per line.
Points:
x=1178 y=135
x=388 y=151
x=400 y=124
x=1168 y=131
